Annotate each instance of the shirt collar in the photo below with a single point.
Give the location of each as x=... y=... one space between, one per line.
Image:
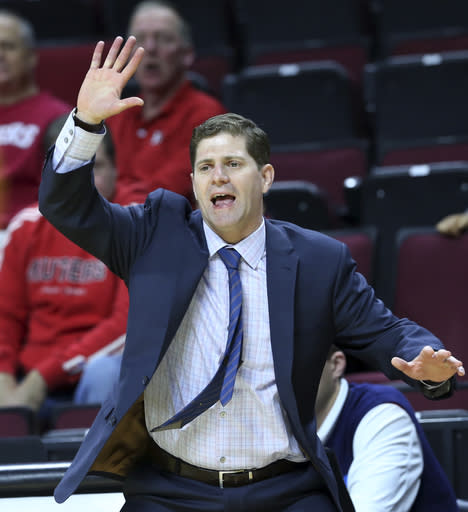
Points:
x=251 y=248
x=329 y=422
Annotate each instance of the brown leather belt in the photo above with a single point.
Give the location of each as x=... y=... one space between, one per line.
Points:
x=233 y=478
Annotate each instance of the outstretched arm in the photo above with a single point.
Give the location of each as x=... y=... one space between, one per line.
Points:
x=99 y=96
x=430 y=365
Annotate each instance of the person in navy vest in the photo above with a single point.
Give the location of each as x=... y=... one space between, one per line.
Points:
x=230 y=321
x=385 y=458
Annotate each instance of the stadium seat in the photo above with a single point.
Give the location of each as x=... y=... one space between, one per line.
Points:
x=431 y=283
x=24 y=449
x=418 y=101
x=326 y=164
x=361 y=245
x=404 y=196
x=299 y=202
x=62 y=68
x=447 y=433
x=72 y=416
x=316 y=102
x=420 y=26
x=333 y=30
x=59 y=22
x=17 y=421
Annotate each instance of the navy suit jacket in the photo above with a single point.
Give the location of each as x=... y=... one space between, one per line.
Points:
x=315 y=299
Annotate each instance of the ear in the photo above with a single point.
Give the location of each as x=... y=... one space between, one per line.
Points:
x=189 y=57
x=268 y=175
x=33 y=60
x=193 y=186
x=338 y=360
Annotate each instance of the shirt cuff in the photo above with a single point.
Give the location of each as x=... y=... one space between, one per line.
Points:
x=74 y=146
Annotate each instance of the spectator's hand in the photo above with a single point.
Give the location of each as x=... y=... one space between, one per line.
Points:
x=30 y=392
x=430 y=365
x=99 y=96
x=453 y=225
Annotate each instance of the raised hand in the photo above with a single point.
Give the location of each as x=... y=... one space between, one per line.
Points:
x=99 y=96
x=430 y=365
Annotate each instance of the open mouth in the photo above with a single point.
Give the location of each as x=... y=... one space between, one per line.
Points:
x=222 y=200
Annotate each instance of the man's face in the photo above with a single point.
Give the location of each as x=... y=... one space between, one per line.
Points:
x=105 y=174
x=229 y=186
x=17 y=62
x=167 y=55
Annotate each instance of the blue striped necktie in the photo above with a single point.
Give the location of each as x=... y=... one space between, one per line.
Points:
x=221 y=386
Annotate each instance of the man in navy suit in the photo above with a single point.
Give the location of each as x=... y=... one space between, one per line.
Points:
x=185 y=428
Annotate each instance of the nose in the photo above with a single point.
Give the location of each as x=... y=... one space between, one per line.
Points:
x=219 y=174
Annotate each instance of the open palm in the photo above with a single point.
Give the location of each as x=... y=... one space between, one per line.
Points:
x=99 y=96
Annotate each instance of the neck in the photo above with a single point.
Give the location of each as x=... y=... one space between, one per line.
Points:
x=156 y=100
x=13 y=94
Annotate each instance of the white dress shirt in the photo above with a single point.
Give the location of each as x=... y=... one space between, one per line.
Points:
x=388 y=461
x=252 y=430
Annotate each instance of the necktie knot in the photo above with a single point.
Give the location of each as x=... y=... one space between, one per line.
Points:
x=231 y=258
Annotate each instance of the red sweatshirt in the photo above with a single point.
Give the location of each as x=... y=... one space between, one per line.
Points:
x=58 y=304
x=22 y=129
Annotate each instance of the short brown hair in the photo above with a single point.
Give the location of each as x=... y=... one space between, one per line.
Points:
x=256 y=140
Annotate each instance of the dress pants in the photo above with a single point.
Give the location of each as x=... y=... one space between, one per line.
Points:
x=148 y=489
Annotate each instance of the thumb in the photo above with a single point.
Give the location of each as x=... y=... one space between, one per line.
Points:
x=126 y=103
x=399 y=364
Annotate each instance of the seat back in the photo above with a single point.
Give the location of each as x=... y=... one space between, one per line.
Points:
x=326 y=164
x=56 y=21
x=420 y=26
x=333 y=30
x=361 y=245
x=447 y=433
x=24 y=449
x=17 y=421
x=73 y=416
x=404 y=196
x=317 y=101
x=432 y=283
x=405 y=113
x=299 y=202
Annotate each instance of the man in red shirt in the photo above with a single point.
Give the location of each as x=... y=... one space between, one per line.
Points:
x=25 y=113
x=152 y=141
x=60 y=307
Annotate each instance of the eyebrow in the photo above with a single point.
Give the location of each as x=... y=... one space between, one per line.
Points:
x=227 y=157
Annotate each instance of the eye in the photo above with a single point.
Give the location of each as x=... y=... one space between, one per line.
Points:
x=234 y=163
x=204 y=168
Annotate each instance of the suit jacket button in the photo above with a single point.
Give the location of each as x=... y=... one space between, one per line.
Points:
x=145 y=380
x=113 y=420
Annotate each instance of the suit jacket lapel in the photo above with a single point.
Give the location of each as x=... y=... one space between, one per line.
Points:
x=281 y=278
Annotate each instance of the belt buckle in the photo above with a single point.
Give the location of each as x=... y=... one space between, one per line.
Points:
x=222 y=473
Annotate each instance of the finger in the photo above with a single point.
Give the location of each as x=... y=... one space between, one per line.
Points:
x=125 y=53
x=126 y=103
x=97 y=55
x=113 y=52
x=441 y=355
x=400 y=364
x=133 y=64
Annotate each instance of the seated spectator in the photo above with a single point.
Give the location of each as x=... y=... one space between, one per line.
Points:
x=25 y=113
x=453 y=225
x=152 y=141
x=382 y=451
x=59 y=306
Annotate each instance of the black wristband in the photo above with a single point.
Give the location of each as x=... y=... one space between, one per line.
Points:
x=92 y=128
